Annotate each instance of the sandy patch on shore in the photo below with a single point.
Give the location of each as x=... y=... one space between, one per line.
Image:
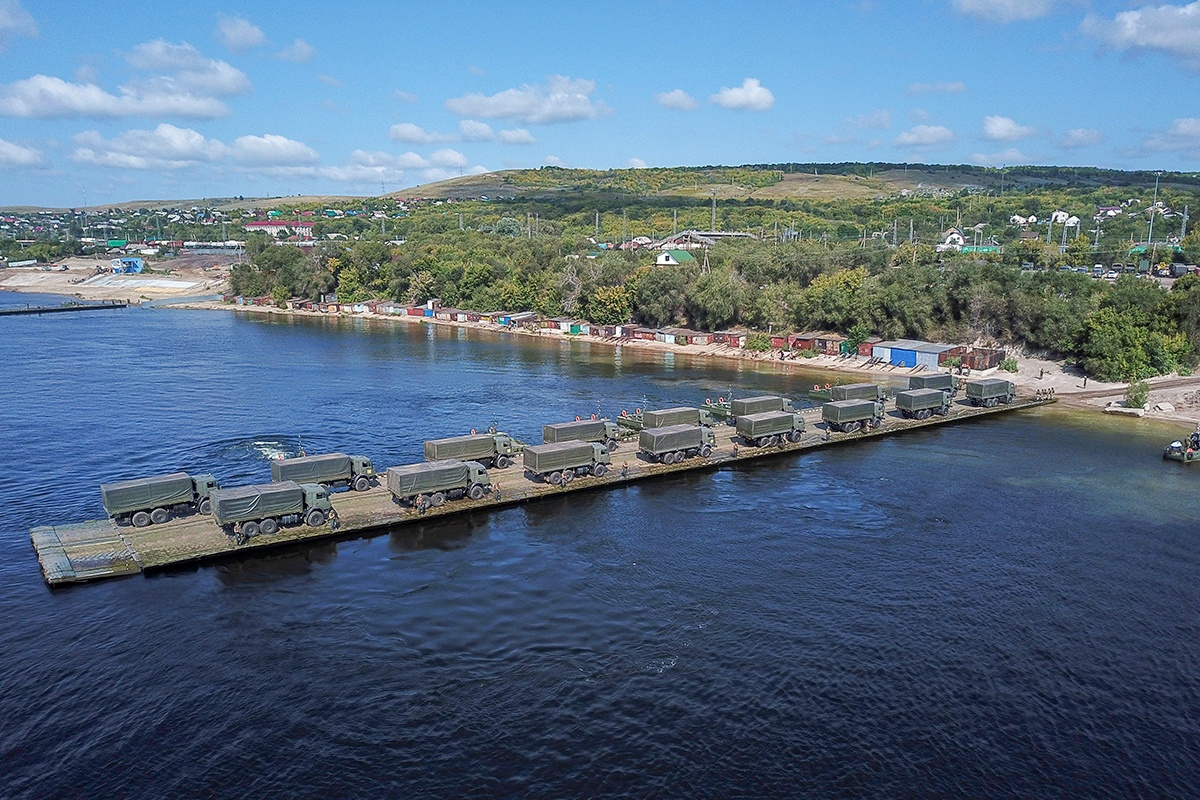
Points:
x=92 y=279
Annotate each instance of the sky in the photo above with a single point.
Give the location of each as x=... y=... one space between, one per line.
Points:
x=167 y=100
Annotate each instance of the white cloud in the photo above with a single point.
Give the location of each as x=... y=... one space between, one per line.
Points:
x=16 y=155
x=1081 y=137
x=1181 y=136
x=750 y=96
x=475 y=131
x=1004 y=129
x=447 y=157
x=560 y=99
x=46 y=97
x=272 y=150
x=165 y=147
x=677 y=99
x=516 y=136
x=411 y=133
x=404 y=97
x=636 y=163
x=298 y=52
x=881 y=119
x=1166 y=28
x=1010 y=156
x=15 y=20
x=924 y=137
x=554 y=161
x=187 y=69
x=1004 y=10
x=329 y=80
x=239 y=34
x=942 y=87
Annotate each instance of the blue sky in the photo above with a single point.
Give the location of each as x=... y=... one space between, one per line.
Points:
x=170 y=100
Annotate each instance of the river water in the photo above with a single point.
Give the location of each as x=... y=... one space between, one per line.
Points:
x=1006 y=608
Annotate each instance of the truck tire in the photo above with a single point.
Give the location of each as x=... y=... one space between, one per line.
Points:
x=794 y=436
x=851 y=427
x=555 y=478
x=315 y=518
x=268 y=526
x=362 y=483
x=503 y=462
x=772 y=440
x=923 y=414
x=705 y=450
x=249 y=529
x=159 y=515
x=437 y=499
x=599 y=470
x=610 y=445
x=205 y=506
x=476 y=492
x=876 y=422
x=568 y=475
x=991 y=402
x=140 y=519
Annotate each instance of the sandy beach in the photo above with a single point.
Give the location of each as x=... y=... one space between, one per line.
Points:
x=1173 y=398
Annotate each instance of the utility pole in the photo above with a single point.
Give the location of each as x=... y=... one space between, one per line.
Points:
x=1153 y=208
x=597 y=224
x=713 y=225
x=675 y=222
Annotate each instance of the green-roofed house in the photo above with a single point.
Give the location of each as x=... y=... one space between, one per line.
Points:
x=674 y=258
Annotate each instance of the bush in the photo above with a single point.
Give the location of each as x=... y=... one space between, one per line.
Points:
x=808 y=353
x=952 y=363
x=1009 y=365
x=758 y=342
x=1137 y=394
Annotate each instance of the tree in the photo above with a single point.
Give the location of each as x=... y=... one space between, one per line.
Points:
x=610 y=305
x=1079 y=252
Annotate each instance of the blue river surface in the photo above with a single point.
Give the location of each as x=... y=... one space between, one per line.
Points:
x=1008 y=607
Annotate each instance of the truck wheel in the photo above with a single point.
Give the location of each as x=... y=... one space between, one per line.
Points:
x=249 y=529
x=923 y=414
x=772 y=441
x=315 y=518
x=568 y=475
x=205 y=506
x=140 y=519
x=794 y=437
x=437 y=499
x=991 y=402
x=476 y=492
x=599 y=470
x=159 y=515
x=705 y=450
x=268 y=526
x=851 y=427
x=555 y=478
x=503 y=462
x=362 y=483
x=610 y=445
x=876 y=422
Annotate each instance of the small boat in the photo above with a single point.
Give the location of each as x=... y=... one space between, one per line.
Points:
x=1186 y=452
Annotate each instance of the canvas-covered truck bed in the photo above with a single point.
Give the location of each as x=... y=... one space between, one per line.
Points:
x=435 y=479
x=124 y=497
x=847 y=416
x=542 y=459
x=681 y=415
x=587 y=430
x=758 y=405
x=990 y=391
x=934 y=380
x=241 y=503
x=921 y=403
x=768 y=427
x=461 y=448
x=313 y=469
x=857 y=391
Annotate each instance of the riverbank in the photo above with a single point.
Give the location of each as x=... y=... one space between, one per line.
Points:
x=1173 y=398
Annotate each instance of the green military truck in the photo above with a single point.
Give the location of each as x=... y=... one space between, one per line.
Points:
x=770 y=428
x=682 y=415
x=758 y=405
x=848 y=416
x=143 y=501
x=858 y=391
x=587 y=430
x=989 y=392
x=561 y=462
x=490 y=449
x=331 y=469
x=265 y=508
x=923 y=403
x=432 y=483
x=673 y=443
x=935 y=380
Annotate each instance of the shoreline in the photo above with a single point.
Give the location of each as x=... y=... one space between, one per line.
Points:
x=1173 y=398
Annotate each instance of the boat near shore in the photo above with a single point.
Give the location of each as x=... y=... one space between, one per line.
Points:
x=1185 y=450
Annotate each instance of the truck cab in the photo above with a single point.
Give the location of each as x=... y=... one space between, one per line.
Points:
x=600 y=454
x=506 y=445
x=203 y=485
x=478 y=474
x=316 y=496
x=361 y=465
